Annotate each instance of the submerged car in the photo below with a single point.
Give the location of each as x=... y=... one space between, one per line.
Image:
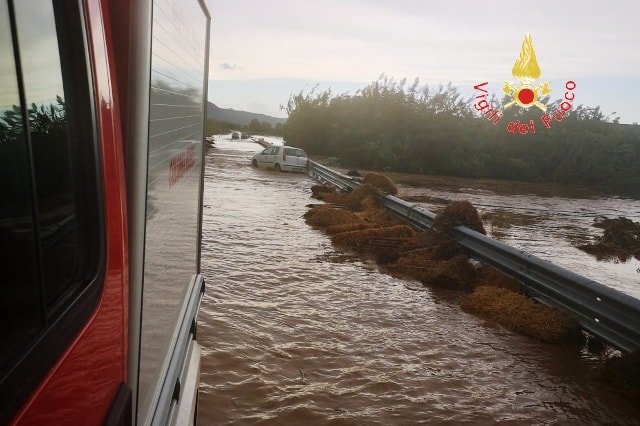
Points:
x=281 y=158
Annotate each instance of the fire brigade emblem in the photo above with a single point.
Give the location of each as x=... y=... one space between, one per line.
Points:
x=526 y=71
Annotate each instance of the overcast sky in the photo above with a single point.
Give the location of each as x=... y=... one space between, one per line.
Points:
x=263 y=51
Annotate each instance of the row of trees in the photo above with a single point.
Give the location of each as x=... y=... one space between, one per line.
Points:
x=254 y=127
x=42 y=119
x=406 y=127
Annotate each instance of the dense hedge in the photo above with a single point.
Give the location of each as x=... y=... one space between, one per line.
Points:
x=393 y=125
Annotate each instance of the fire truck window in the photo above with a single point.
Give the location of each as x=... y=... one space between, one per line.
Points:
x=19 y=292
x=42 y=79
x=51 y=233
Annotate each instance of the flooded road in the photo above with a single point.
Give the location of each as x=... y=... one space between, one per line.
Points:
x=545 y=220
x=294 y=332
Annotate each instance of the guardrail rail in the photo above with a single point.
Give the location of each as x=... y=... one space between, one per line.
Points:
x=608 y=314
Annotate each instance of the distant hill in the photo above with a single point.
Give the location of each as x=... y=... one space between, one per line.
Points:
x=239 y=117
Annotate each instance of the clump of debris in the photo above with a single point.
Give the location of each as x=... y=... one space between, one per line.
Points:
x=620 y=240
x=358 y=222
x=459 y=213
x=381 y=182
x=520 y=313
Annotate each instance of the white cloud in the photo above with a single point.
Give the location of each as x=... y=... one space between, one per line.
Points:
x=456 y=40
x=228 y=67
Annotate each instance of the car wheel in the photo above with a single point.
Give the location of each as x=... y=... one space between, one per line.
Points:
x=277 y=168
x=254 y=163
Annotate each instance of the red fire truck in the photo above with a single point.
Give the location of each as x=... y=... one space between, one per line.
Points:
x=102 y=114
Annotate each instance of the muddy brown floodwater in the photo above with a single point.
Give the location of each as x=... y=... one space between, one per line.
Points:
x=294 y=332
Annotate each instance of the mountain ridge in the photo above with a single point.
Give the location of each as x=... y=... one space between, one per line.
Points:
x=243 y=118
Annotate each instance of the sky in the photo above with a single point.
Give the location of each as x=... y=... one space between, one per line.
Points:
x=264 y=51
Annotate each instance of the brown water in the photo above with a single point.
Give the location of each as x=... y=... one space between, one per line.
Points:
x=294 y=332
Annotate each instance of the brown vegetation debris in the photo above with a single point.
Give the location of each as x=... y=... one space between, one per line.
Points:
x=326 y=215
x=520 y=313
x=455 y=274
x=432 y=245
x=316 y=190
x=379 y=218
x=490 y=276
x=423 y=239
x=346 y=227
x=457 y=213
x=620 y=240
x=387 y=255
x=357 y=221
x=446 y=249
x=411 y=265
x=381 y=182
x=337 y=198
x=363 y=197
x=355 y=239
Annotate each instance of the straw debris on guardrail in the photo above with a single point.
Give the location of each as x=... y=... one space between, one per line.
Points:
x=381 y=182
x=357 y=221
x=516 y=312
x=459 y=213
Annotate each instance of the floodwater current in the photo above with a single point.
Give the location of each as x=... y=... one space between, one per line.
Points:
x=295 y=332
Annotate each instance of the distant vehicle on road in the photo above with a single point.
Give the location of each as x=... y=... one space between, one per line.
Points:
x=244 y=135
x=281 y=158
x=235 y=135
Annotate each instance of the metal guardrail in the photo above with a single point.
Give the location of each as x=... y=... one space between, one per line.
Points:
x=325 y=174
x=261 y=141
x=602 y=311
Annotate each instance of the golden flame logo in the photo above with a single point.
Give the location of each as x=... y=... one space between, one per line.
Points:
x=526 y=70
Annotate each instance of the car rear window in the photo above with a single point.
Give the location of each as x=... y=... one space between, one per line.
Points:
x=295 y=152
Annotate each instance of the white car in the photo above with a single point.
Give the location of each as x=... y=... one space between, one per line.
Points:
x=281 y=158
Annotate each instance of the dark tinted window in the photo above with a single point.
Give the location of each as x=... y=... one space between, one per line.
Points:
x=50 y=222
x=19 y=290
x=49 y=136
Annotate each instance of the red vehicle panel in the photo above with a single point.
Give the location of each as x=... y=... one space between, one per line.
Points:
x=84 y=158
x=87 y=377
